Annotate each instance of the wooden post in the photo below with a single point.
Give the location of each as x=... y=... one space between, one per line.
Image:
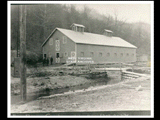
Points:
x=18 y=35
x=132 y=68
x=23 y=51
x=121 y=69
x=44 y=21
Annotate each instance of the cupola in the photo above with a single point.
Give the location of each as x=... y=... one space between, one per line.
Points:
x=108 y=33
x=77 y=27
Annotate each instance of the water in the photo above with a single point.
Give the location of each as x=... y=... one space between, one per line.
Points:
x=16 y=99
x=96 y=82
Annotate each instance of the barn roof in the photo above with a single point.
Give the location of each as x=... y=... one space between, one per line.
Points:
x=108 y=30
x=77 y=25
x=92 y=38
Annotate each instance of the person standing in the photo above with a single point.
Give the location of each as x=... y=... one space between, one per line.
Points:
x=51 y=60
x=44 y=61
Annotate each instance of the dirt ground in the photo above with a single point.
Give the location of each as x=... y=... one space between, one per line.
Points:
x=124 y=95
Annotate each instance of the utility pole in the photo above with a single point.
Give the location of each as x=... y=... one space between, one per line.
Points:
x=18 y=35
x=44 y=21
x=23 y=52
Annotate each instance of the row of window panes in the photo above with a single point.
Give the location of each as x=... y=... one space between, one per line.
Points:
x=76 y=28
x=100 y=54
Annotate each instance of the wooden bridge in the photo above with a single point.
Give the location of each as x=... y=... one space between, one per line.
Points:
x=131 y=75
x=101 y=70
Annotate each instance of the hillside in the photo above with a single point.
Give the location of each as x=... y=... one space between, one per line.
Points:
x=42 y=19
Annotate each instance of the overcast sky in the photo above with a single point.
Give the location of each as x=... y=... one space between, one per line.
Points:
x=131 y=12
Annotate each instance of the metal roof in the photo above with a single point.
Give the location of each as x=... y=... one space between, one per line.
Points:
x=108 y=30
x=77 y=25
x=92 y=38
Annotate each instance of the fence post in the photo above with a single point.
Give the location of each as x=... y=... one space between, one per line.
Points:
x=121 y=70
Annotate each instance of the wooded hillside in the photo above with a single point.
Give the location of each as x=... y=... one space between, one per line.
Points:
x=42 y=19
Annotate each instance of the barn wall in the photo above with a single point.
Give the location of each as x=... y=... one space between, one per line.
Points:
x=96 y=49
x=143 y=58
x=49 y=50
x=67 y=47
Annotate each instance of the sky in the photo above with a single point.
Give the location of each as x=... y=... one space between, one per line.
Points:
x=130 y=12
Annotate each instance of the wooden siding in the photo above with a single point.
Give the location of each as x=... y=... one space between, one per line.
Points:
x=109 y=54
x=100 y=53
x=67 y=47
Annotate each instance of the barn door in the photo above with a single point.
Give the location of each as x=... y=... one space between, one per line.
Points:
x=57 y=58
x=57 y=48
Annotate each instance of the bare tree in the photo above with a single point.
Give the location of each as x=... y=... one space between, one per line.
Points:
x=117 y=20
x=108 y=20
x=41 y=15
x=118 y=23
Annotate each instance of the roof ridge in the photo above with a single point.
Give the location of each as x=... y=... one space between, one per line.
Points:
x=92 y=38
x=84 y=32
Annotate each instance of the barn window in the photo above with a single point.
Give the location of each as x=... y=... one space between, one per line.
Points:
x=51 y=41
x=91 y=54
x=115 y=54
x=133 y=54
x=82 y=54
x=100 y=54
x=44 y=55
x=57 y=55
x=78 y=29
x=65 y=54
x=108 y=54
x=121 y=54
x=127 y=54
x=64 y=39
x=73 y=28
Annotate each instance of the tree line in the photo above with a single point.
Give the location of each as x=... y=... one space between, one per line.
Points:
x=41 y=19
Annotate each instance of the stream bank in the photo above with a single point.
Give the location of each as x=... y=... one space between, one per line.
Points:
x=39 y=87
